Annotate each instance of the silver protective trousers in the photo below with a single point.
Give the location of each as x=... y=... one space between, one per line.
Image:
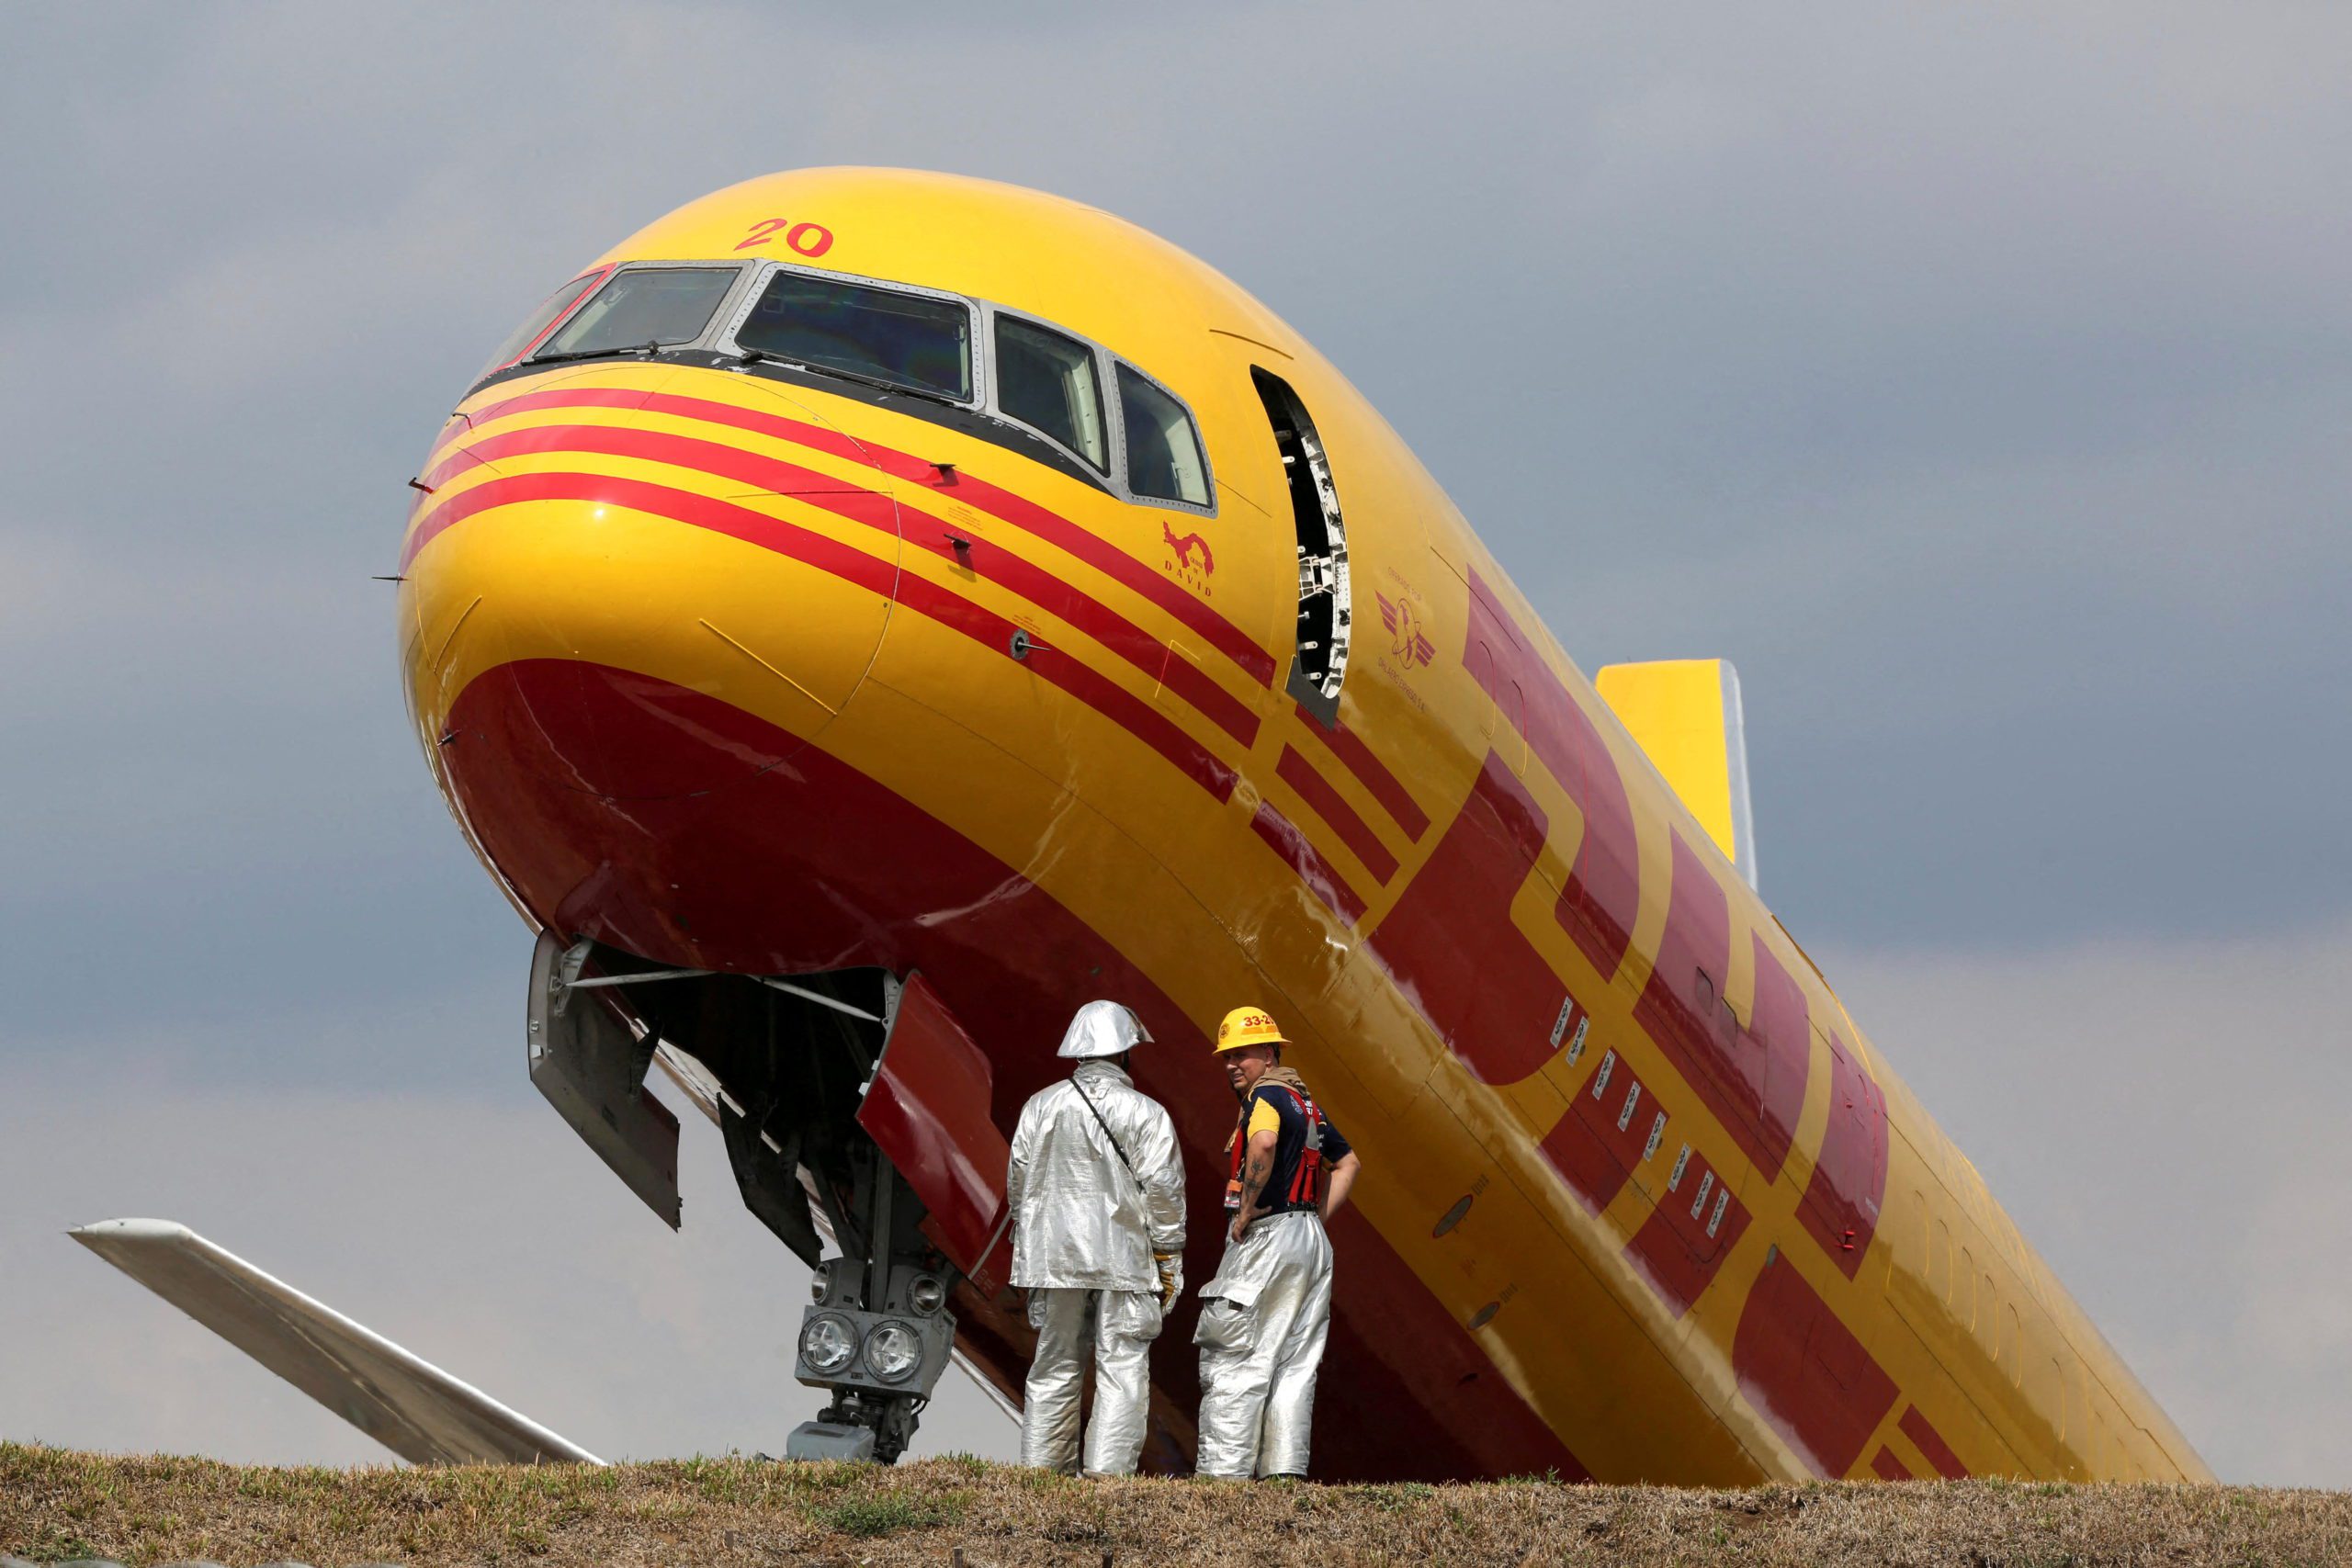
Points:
x=1119 y=1325
x=1263 y=1322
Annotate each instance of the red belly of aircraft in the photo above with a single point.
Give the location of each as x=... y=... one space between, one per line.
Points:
x=667 y=823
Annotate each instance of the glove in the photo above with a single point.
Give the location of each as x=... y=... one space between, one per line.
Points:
x=1172 y=1278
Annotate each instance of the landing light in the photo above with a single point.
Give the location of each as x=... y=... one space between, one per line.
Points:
x=828 y=1343
x=927 y=1294
x=892 y=1351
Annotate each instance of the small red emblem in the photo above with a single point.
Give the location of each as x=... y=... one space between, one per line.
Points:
x=1184 y=548
x=1404 y=623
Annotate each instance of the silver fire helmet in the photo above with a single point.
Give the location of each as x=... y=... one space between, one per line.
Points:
x=1103 y=1029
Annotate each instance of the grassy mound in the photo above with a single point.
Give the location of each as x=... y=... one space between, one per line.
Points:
x=55 y=1504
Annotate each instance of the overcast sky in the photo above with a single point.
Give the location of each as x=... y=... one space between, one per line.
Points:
x=1976 y=378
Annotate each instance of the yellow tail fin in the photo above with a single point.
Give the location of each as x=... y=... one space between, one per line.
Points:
x=1685 y=714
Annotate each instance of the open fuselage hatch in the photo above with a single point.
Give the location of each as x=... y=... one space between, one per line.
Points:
x=1321 y=657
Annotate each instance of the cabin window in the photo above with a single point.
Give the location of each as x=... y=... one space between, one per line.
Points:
x=1325 y=617
x=909 y=340
x=1047 y=380
x=1164 y=461
x=650 y=307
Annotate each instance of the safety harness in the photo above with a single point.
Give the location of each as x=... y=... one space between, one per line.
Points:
x=1304 y=1191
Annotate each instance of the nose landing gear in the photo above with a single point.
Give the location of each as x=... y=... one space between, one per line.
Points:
x=848 y=1100
x=878 y=1332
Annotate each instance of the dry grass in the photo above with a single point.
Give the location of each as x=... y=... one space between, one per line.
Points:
x=55 y=1504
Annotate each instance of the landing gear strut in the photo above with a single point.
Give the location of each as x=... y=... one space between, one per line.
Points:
x=820 y=1083
x=878 y=1332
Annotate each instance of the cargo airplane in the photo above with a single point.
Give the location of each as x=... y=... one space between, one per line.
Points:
x=867 y=614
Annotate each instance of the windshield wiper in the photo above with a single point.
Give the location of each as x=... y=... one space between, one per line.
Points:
x=592 y=354
x=761 y=356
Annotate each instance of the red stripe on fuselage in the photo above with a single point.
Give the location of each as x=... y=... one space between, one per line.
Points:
x=822 y=551
x=1673 y=1247
x=1032 y=583
x=1326 y=803
x=1451 y=944
x=1849 y=1182
x=1349 y=747
x=1590 y=1150
x=1604 y=890
x=1146 y=722
x=1077 y=677
x=1932 y=1445
x=1804 y=1371
x=1283 y=837
x=1682 y=1007
x=1010 y=506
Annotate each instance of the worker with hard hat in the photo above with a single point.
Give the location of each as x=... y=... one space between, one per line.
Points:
x=1096 y=1190
x=1265 y=1317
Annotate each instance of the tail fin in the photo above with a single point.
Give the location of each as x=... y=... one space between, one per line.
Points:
x=1685 y=714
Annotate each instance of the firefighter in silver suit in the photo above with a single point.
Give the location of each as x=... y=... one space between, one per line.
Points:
x=1096 y=1189
x=1265 y=1317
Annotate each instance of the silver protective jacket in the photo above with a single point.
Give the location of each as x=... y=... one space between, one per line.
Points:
x=1263 y=1322
x=1081 y=1220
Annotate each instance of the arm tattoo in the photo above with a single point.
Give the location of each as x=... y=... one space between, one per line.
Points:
x=1253 y=1177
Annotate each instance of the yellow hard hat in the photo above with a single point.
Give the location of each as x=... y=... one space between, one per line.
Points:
x=1248 y=1026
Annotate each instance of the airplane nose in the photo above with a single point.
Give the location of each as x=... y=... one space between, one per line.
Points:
x=559 y=607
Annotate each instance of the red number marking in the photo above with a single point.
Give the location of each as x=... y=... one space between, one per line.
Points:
x=809 y=239
x=762 y=232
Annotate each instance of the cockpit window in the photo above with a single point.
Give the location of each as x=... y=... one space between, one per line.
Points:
x=651 y=306
x=875 y=334
x=527 y=336
x=1046 y=379
x=1163 y=450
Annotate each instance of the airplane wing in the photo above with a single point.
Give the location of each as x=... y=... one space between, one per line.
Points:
x=413 y=1407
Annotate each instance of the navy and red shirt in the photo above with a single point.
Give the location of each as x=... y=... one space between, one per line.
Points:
x=1297 y=1183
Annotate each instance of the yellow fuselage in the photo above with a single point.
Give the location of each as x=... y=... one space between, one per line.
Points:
x=716 y=663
